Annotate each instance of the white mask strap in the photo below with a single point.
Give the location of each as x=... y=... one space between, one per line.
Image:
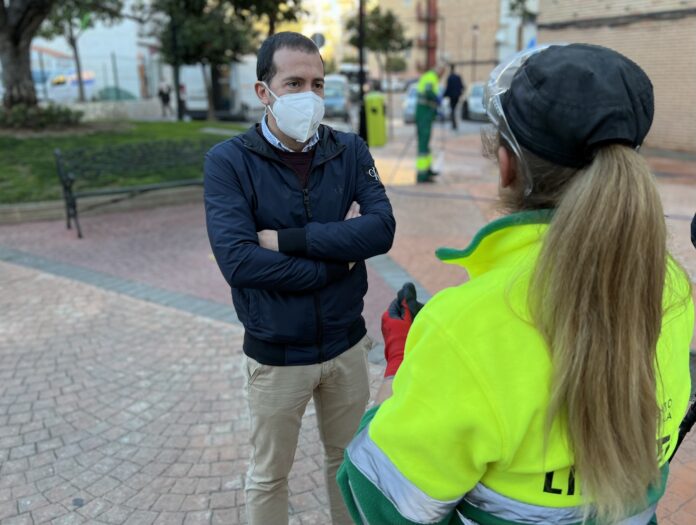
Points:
x=269 y=90
x=268 y=106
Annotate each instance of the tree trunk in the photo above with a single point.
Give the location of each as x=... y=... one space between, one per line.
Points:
x=271 y=25
x=16 y=71
x=208 y=92
x=72 y=42
x=19 y=22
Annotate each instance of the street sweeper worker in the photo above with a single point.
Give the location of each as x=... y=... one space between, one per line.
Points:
x=427 y=105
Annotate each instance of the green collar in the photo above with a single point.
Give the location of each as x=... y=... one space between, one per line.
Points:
x=515 y=219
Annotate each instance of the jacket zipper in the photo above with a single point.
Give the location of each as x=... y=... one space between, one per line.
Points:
x=305 y=199
x=317 y=300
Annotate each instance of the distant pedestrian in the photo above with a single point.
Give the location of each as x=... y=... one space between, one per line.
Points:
x=164 y=94
x=453 y=91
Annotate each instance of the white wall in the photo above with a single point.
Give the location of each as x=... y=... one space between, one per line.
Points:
x=96 y=46
x=506 y=36
x=123 y=110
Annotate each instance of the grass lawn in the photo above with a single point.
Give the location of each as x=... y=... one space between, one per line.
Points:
x=28 y=169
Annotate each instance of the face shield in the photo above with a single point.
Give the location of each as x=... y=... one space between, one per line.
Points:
x=498 y=83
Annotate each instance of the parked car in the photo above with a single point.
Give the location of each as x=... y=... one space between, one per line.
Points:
x=409 y=105
x=352 y=73
x=410 y=82
x=337 y=97
x=472 y=107
x=393 y=84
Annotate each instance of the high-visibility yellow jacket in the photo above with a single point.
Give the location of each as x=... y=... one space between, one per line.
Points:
x=428 y=90
x=462 y=437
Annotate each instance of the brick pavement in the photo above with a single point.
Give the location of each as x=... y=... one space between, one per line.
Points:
x=119 y=410
x=120 y=390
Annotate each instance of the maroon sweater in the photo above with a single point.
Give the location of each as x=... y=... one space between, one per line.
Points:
x=300 y=161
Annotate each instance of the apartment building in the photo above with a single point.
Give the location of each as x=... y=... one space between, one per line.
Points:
x=659 y=35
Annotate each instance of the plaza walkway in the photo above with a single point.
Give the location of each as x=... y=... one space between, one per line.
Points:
x=121 y=394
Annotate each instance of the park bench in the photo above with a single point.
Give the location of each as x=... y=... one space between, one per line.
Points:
x=127 y=170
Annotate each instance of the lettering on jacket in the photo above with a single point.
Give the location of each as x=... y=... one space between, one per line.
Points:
x=564 y=486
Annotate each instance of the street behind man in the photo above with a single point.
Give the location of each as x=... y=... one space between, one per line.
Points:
x=453 y=92
x=293 y=209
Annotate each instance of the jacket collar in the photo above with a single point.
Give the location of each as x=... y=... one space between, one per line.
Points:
x=499 y=242
x=328 y=146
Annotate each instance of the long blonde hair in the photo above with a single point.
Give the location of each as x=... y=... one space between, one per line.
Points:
x=596 y=296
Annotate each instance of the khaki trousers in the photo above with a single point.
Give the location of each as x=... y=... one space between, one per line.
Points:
x=277 y=397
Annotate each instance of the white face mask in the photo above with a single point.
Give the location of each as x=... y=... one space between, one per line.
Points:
x=298 y=115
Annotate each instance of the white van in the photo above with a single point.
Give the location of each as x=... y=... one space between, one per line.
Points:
x=336 y=97
x=233 y=96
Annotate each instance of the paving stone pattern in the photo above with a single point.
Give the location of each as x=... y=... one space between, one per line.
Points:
x=116 y=410
x=121 y=395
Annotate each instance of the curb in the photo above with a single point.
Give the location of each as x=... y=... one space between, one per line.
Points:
x=136 y=290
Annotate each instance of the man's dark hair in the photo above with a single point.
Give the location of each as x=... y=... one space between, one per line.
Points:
x=265 y=68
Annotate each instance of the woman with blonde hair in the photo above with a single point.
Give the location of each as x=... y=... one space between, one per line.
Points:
x=548 y=388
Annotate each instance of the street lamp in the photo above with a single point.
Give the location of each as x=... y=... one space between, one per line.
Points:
x=362 y=129
x=174 y=21
x=474 y=36
x=443 y=52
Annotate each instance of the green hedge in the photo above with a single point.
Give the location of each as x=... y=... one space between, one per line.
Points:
x=28 y=168
x=37 y=117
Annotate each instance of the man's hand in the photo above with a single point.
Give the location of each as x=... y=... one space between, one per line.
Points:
x=396 y=322
x=353 y=211
x=268 y=239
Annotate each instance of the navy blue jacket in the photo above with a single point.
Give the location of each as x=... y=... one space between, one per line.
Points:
x=302 y=304
x=455 y=86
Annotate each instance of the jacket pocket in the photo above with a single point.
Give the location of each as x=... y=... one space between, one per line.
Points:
x=279 y=317
x=241 y=303
x=358 y=280
x=253 y=306
x=342 y=301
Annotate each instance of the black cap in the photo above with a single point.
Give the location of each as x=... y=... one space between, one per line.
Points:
x=567 y=101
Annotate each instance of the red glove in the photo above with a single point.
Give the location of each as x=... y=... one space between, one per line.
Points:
x=396 y=322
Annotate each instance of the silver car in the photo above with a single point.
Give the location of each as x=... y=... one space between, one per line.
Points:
x=472 y=108
x=410 y=101
x=337 y=97
x=409 y=105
